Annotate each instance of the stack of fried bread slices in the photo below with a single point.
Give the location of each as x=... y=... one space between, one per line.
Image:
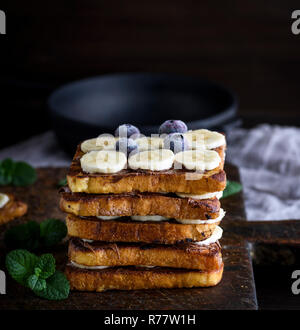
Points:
x=146 y=219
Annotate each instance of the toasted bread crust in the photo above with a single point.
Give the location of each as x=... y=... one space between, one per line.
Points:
x=137 y=278
x=13 y=209
x=139 y=204
x=188 y=256
x=181 y=181
x=163 y=232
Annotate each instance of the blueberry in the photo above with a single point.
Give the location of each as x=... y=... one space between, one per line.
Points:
x=127 y=130
x=172 y=126
x=176 y=142
x=126 y=146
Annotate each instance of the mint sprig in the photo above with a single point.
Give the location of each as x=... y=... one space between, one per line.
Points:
x=57 y=287
x=62 y=182
x=31 y=235
x=45 y=267
x=38 y=274
x=23 y=174
x=7 y=167
x=24 y=236
x=232 y=188
x=16 y=173
x=20 y=264
x=52 y=231
x=35 y=283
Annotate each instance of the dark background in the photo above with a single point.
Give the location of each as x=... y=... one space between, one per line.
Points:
x=245 y=45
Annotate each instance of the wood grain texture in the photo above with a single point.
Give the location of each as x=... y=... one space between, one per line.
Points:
x=236 y=290
x=268 y=232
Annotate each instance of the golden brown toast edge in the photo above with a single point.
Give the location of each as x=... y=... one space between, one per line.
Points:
x=146 y=181
x=137 y=278
x=139 y=204
x=12 y=210
x=188 y=256
x=160 y=232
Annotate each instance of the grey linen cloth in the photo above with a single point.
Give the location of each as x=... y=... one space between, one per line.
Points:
x=268 y=158
x=39 y=151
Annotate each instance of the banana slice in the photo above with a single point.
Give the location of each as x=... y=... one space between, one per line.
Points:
x=198 y=160
x=216 y=235
x=199 y=222
x=217 y=194
x=106 y=217
x=153 y=160
x=104 y=161
x=205 y=139
x=148 y=218
x=4 y=199
x=87 y=240
x=149 y=143
x=75 y=264
x=103 y=142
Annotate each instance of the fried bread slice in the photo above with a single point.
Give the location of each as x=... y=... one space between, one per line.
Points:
x=186 y=255
x=127 y=180
x=129 y=204
x=13 y=209
x=137 y=278
x=126 y=230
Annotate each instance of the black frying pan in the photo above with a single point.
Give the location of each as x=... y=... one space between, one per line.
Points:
x=93 y=106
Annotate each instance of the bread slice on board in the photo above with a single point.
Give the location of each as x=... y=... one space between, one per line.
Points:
x=186 y=255
x=137 y=278
x=125 y=230
x=128 y=180
x=128 y=204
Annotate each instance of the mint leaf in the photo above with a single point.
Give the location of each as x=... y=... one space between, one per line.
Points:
x=32 y=235
x=232 y=188
x=4 y=179
x=45 y=266
x=23 y=174
x=52 y=231
x=31 y=271
x=7 y=167
x=24 y=236
x=20 y=265
x=57 y=287
x=62 y=182
x=16 y=173
x=35 y=283
x=37 y=271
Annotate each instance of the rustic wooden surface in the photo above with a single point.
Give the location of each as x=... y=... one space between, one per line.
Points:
x=286 y=232
x=236 y=291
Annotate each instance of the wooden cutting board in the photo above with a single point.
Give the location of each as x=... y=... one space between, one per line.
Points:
x=236 y=291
